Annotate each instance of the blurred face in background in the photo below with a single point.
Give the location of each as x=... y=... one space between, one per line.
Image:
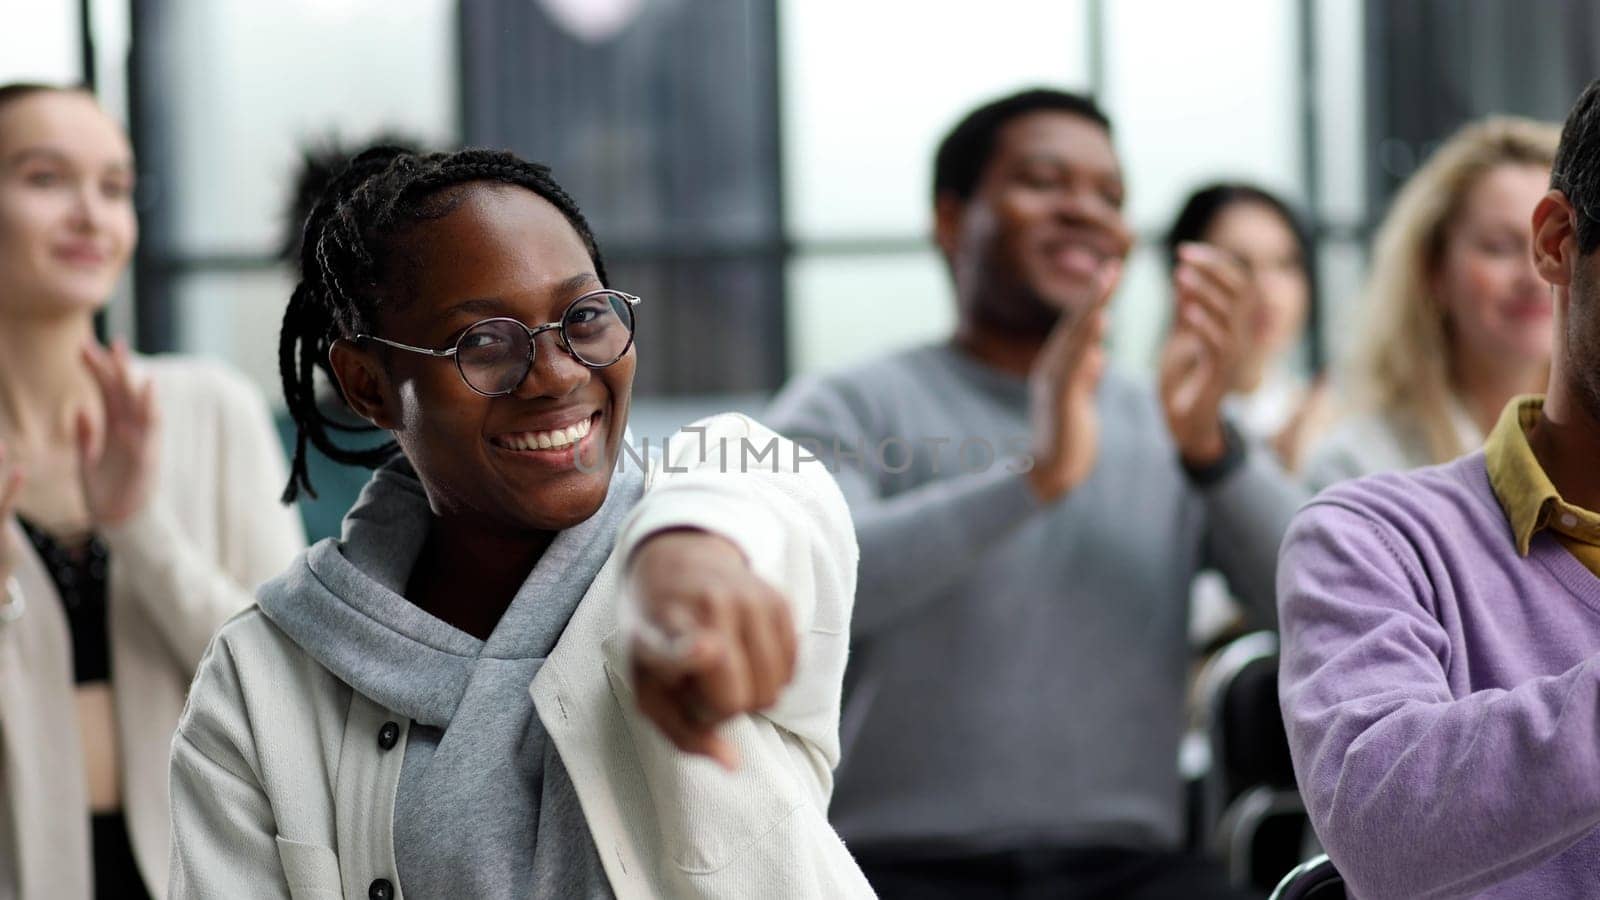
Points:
x=67 y=226
x=1044 y=220
x=1497 y=310
x=1266 y=246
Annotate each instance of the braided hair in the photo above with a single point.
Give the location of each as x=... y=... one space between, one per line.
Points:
x=347 y=242
x=322 y=160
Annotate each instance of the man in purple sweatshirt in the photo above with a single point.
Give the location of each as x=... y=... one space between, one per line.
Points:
x=1441 y=629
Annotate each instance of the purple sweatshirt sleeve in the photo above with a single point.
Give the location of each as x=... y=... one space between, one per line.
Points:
x=1416 y=791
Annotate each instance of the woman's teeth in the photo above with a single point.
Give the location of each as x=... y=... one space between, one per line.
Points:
x=547 y=440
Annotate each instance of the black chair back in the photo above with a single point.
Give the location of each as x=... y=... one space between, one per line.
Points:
x=1255 y=747
x=1253 y=814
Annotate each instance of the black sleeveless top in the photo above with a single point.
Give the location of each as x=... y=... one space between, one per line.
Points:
x=80 y=577
x=79 y=574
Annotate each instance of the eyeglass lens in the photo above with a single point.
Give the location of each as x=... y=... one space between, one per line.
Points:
x=495 y=355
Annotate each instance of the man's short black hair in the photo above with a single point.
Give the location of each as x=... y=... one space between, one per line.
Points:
x=967 y=149
x=1576 y=172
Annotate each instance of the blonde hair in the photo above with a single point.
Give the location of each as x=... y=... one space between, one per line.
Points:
x=1402 y=367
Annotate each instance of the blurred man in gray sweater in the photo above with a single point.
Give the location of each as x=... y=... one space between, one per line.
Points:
x=1029 y=526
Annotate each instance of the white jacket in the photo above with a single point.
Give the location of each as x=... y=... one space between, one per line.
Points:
x=282 y=788
x=189 y=561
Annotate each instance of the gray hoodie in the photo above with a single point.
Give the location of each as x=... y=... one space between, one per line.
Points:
x=484 y=806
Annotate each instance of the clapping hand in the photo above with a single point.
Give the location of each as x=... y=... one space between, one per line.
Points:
x=1061 y=395
x=1197 y=364
x=117 y=454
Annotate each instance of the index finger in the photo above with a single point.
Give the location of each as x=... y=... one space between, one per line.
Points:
x=669 y=709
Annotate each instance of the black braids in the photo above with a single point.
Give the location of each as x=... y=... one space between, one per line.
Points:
x=305 y=338
x=332 y=253
x=288 y=341
x=310 y=331
x=321 y=161
x=316 y=339
x=496 y=166
x=346 y=236
x=296 y=344
x=307 y=414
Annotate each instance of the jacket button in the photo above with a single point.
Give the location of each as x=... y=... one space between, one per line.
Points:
x=388 y=736
x=381 y=889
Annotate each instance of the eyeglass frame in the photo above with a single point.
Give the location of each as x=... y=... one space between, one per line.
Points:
x=533 y=333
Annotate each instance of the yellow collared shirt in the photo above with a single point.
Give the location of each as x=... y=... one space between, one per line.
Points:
x=1530 y=500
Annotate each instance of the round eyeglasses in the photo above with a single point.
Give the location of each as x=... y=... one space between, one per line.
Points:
x=495 y=355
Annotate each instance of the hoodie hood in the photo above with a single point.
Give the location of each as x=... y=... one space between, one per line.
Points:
x=343 y=602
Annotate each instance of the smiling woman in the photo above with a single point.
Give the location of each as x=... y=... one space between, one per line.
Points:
x=539 y=730
x=133 y=518
x=1457 y=320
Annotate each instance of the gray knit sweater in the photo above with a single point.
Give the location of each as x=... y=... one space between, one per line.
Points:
x=1017 y=677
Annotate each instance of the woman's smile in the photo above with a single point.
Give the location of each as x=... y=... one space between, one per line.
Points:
x=561 y=446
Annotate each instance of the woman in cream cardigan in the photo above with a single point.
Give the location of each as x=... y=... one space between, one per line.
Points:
x=539 y=662
x=137 y=514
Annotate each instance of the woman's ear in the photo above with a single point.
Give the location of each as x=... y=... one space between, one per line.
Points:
x=1555 y=238
x=364 y=383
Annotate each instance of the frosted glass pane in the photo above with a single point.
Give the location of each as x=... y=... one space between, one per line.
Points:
x=870 y=88
x=848 y=309
x=1196 y=95
x=113 y=32
x=250 y=81
x=235 y=317
x=1342 y=266
x=1341 y=110
x=845 y=309
x=39 y=41
x=1139 y=312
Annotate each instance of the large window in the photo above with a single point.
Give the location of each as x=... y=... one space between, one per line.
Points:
x=224 y=97
x=1433 y=65
x=1269 y=92
x=665 y=128
x=868 y=90
x=759 y=169
x=769 y=192
x=1193 y=102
